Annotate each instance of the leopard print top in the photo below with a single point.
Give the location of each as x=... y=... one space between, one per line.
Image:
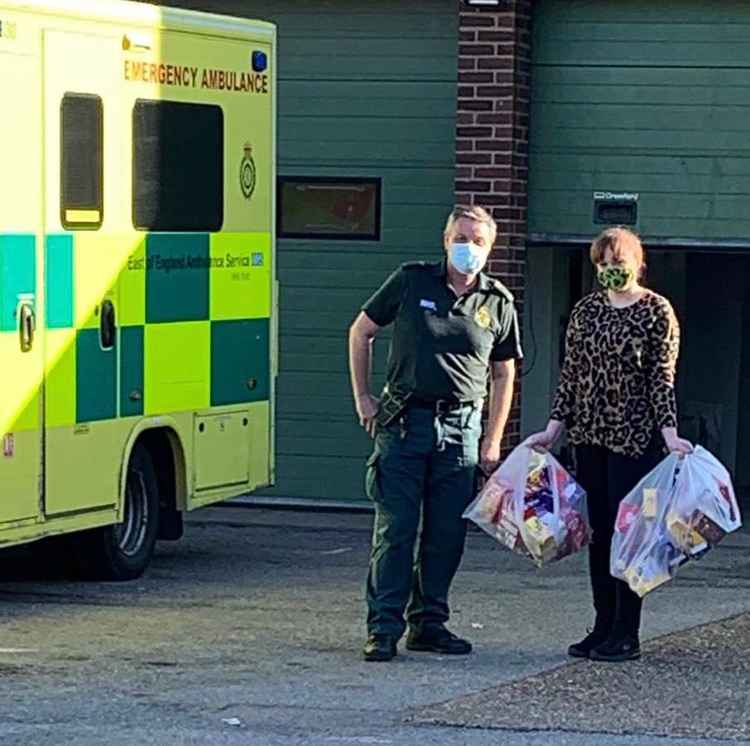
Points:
x=617 y=380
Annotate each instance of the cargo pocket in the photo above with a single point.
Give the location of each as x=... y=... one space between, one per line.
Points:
x=372 y=489
x=470 y=435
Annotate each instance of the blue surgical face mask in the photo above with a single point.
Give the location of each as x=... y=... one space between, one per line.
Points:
x=467 y=258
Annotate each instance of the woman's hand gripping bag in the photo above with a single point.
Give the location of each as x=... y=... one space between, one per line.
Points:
x=676 y=513
x=704 y=507
x=533 y=506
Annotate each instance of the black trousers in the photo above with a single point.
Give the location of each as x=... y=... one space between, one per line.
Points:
x=607 y=478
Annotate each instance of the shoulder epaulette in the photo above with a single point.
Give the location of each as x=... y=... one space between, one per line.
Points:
x=500 y=289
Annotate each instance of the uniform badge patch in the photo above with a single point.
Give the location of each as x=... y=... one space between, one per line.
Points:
x=482 y=317
x=428 y=304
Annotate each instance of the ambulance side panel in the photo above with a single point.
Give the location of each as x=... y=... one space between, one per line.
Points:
x=194 y=350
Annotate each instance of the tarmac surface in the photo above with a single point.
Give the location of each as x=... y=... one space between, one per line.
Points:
x=249 y=631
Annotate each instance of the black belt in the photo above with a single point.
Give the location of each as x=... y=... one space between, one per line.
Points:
x=440 y=406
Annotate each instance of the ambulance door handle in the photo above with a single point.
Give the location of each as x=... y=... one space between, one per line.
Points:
x=26 y=326
x=107 y=325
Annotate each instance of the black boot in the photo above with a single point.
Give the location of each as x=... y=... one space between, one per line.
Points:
x=617 y=648
x=583 y=648
x=437 y=639
x=380 y=648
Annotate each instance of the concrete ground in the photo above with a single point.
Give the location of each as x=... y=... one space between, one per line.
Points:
x=249 y=631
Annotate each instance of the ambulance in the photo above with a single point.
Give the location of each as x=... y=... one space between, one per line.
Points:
x=138 y=325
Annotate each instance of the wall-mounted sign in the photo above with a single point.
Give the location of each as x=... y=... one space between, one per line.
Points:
x=615 y=208
x=617 y=196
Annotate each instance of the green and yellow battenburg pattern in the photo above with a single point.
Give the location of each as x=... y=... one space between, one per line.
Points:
x=193 y=317
x=192 y=311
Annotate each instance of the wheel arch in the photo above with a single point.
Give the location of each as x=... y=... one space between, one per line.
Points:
x=165 y=447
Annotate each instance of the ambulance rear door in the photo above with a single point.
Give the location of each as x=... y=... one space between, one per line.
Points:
x=84 y=163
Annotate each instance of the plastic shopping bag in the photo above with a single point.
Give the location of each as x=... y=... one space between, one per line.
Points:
x=533 y=506
x=676 y=513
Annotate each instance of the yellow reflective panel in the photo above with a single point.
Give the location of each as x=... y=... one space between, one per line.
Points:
x=20 y=385
x=60 y=399
x=177 y=366
x=132 y=285
x=99 y=257
x=241 y=266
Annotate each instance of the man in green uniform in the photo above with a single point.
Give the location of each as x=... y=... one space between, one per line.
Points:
x=454 y=327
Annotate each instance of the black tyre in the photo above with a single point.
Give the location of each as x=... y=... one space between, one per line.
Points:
x=123 y=551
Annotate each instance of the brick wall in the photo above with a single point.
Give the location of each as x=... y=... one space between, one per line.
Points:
x=494 y=64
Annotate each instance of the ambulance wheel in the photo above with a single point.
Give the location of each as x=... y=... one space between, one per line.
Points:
x=123 y=551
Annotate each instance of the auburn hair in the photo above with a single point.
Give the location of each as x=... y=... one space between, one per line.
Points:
x=622 y=241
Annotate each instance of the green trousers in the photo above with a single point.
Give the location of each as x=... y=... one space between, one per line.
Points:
x=423 y=467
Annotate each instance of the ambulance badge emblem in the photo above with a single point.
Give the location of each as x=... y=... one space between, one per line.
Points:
x=247 y=172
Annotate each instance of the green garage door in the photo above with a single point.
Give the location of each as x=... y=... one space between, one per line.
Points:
x=366 y=89
x=645 y=97
x=649 y=98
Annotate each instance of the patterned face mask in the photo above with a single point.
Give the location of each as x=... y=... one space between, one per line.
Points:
x=615 y=277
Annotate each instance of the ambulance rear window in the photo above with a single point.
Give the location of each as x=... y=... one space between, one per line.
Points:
x=178 y=166
x=81 y=168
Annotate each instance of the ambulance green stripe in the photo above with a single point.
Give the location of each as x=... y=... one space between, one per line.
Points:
x=58 y=271
x=177 y=277
x=131 y=371
x=95 y=378
x=17 y=275
x=239 y=361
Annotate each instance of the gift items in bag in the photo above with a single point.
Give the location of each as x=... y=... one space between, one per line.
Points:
x=533 y=506
x=676 y=513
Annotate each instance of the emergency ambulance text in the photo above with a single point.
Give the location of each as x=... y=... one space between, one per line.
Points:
x=195 y=77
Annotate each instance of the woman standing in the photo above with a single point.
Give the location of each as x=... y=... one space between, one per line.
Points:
x=616 y=397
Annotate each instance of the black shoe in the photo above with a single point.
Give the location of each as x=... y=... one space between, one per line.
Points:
x=380 y=648
x=617 y=649
x=583 y=648
x=437 y=639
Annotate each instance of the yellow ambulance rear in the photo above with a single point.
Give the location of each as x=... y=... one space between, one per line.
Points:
x=138 y=329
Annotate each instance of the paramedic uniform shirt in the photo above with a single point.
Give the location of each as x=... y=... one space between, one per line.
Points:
x=442 y=344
